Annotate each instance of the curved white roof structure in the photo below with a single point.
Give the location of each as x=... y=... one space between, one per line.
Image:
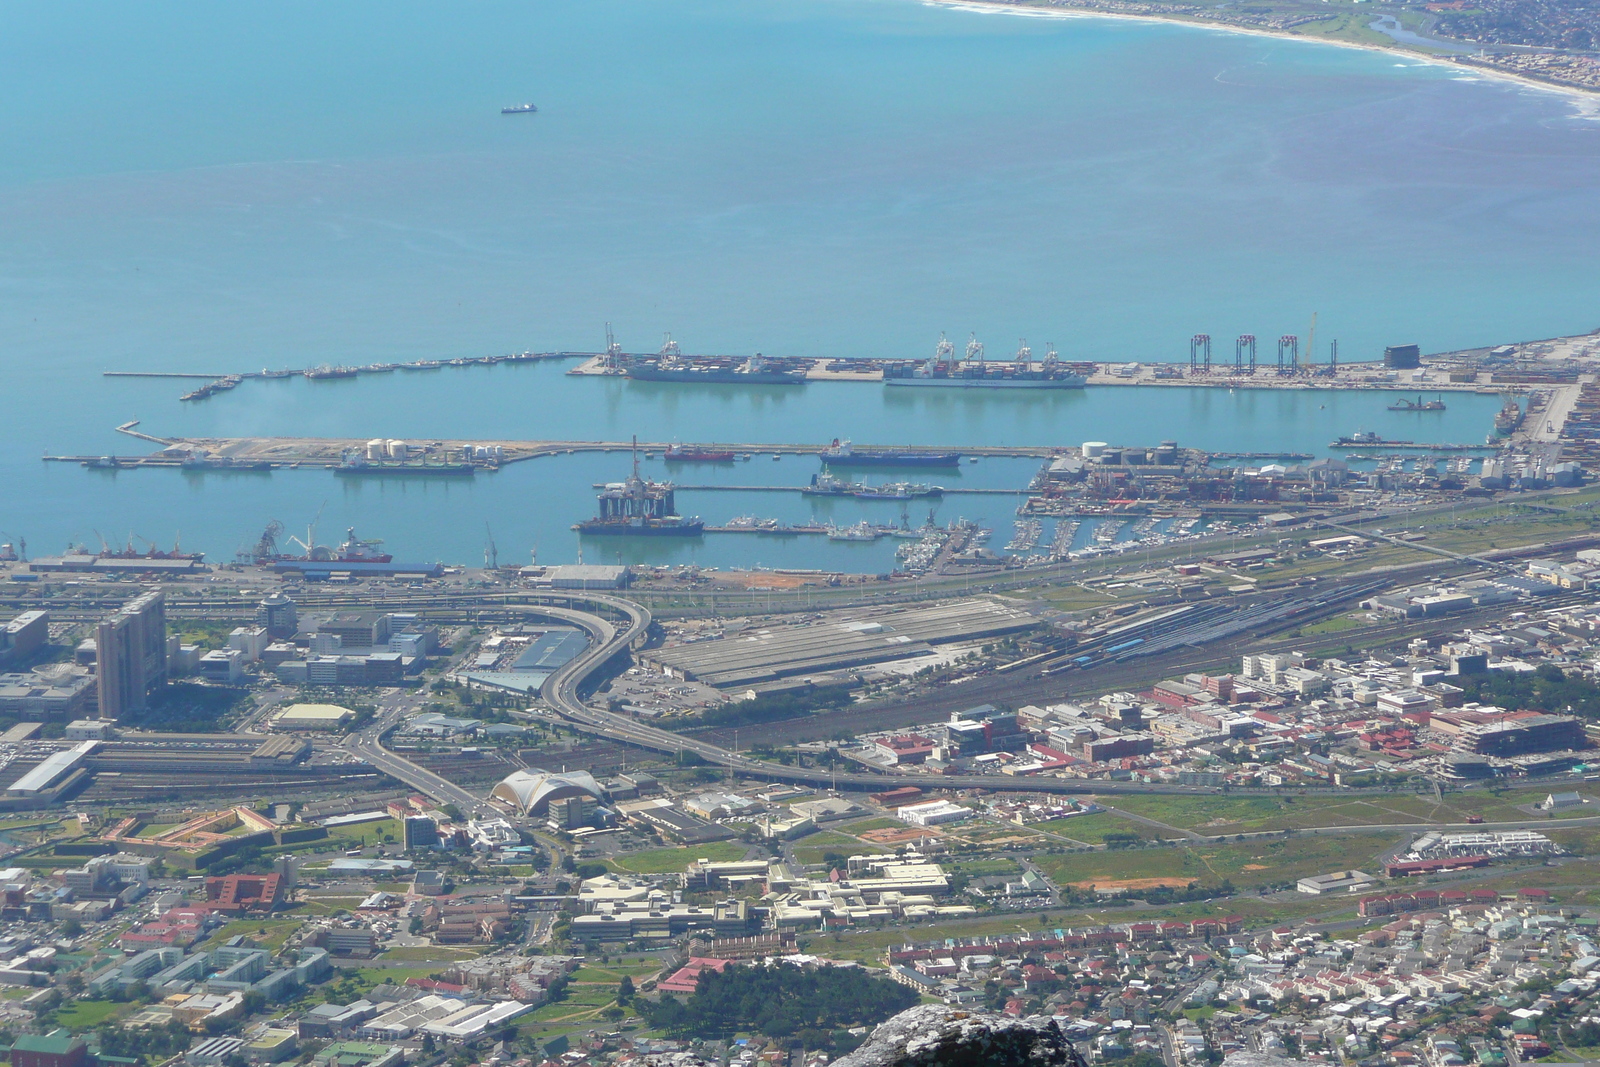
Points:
x=533 y=791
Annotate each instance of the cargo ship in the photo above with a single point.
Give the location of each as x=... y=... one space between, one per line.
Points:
x=897 y=491
x=353 y=468
x=129 y=552
x=325 y=371
x=842 y=453
x=1365 y=437
x=975 y=372
x=698 y=454
x=829 y=484
x=353 y=550
x=1510 y=417
x=640 y=508
x=1418 y=405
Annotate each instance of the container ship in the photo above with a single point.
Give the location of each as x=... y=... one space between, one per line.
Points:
x=640 y=508
x=975 y=372
x=842 y=453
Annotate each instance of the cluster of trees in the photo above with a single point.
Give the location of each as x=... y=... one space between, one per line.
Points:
x=806 y=1004
x=1546 y=689
x=774 y=706
x=190 y=708
x=152 y=1043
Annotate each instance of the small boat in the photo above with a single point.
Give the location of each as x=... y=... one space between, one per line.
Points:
x=519 y=109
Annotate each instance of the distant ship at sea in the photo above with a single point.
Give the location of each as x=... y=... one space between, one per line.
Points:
x=518 y=109
x=975 y=372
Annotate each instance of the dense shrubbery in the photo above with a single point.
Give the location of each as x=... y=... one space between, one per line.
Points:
x=774 y=706
x=780 y=1001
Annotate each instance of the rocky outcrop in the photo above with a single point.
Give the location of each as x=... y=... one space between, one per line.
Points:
x=938 y=1035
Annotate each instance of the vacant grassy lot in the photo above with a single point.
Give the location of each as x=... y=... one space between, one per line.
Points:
x=813 y=848
x=1230 y=815
x=1092 y=829
x=667 y=860
x=1253 y=863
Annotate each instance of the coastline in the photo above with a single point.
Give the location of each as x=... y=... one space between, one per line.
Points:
x=1011 y=7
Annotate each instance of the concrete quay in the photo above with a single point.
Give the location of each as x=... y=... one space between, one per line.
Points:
x=257 y=453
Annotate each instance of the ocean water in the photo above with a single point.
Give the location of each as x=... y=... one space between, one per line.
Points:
x=246 y=185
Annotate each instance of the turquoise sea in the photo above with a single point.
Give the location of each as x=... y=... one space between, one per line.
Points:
x=234 y=186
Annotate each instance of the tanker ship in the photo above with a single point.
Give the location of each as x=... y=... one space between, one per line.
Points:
x=975 y=372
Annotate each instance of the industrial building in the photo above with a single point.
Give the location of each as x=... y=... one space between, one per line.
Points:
x=837 y=642
x=131 y=655
x=312 y=717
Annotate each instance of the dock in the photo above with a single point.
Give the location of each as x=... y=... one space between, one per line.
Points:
x=828 y=496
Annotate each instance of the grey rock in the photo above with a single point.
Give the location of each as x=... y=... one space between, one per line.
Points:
x=939 y=1035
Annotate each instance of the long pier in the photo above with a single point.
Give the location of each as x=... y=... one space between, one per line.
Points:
x=944 y=491
x=272 y=453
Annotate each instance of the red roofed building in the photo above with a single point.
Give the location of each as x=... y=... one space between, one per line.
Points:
x=907 y=748
x=244 y=892
x=686 y=979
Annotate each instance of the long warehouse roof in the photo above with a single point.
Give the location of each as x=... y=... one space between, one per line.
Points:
x=840 y=641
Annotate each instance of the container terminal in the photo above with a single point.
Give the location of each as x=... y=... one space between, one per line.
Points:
x=1401 y=368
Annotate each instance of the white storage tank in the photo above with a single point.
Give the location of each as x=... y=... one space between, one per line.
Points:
x=1093 y=449
x=377 y=448
x=398 y=450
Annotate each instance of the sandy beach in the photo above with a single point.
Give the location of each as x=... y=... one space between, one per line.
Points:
x=1577 y=93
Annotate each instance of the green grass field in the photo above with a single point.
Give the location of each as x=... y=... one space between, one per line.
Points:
x=1253 y=863
x=1232 y=815
x=370 y=832
x=818 y=845
x=667 y=860
x=87 y=1014
x=1092 y=829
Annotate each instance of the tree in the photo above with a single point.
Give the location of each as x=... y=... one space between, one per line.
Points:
x=625 y=990
x=71 y=927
